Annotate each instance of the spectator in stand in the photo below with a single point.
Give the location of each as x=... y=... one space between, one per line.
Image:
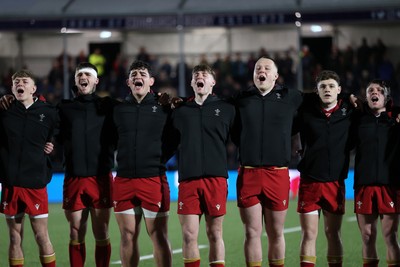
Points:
x=363 y=53
x=81 y=58
x=99 y=61
x=143 y=55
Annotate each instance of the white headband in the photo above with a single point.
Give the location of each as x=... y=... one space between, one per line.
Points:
x=87 y=70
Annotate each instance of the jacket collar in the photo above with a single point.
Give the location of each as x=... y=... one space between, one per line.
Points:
x=131 y=99
x=86 y=98
x=210 y=98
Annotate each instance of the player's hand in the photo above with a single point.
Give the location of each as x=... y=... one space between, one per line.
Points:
x=48 y=148
x=163 y=99
x=356 y=102
x=353 y=100
x=176 y=102
x=5 y=101
x=398 y=118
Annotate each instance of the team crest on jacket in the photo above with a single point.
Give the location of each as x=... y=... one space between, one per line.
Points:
x=41 y=117
x=344 y=111
x=278 y=95
x=217 y=112
x=154 y=108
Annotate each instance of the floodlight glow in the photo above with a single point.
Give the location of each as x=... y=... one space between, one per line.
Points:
x=316 y=28
x=105 y=34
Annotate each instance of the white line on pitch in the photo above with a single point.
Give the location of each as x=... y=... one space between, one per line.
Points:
x=292 y=229
x=352 y=219
x=146 y=257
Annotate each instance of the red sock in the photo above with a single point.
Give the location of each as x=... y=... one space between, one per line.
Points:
x=307 y=264
x=338 y=264
x=191 y=262
x=103 y=253
x=77 y=254
x=49 y=264
x=370 y=262
x=48 y=260
x=16 y=262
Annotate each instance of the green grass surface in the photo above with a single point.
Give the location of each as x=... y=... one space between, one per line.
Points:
x=233 y=236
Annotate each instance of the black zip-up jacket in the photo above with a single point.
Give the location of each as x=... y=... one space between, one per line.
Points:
x=263 y=126
x=203 y=133
x=377 y=150
x=325 y=141
x=24 y=133
x=143 y=137
x=88 y=135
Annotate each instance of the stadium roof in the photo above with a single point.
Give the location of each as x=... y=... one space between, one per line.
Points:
x=67 y=8
x=130 y=14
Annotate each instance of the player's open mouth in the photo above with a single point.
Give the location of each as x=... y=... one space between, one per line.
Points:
x=138 y=83
x=200 y=84
x=262 y=78
x=374 y=99
x=84 y=84
x=20 y=91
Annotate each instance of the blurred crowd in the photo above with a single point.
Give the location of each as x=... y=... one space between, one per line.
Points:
x=356 y=66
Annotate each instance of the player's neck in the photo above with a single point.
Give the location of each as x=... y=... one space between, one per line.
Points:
x=199 y=99
x=27 y=102
x=329 y=106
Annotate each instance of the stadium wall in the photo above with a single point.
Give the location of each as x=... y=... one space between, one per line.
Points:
x=39 y=49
